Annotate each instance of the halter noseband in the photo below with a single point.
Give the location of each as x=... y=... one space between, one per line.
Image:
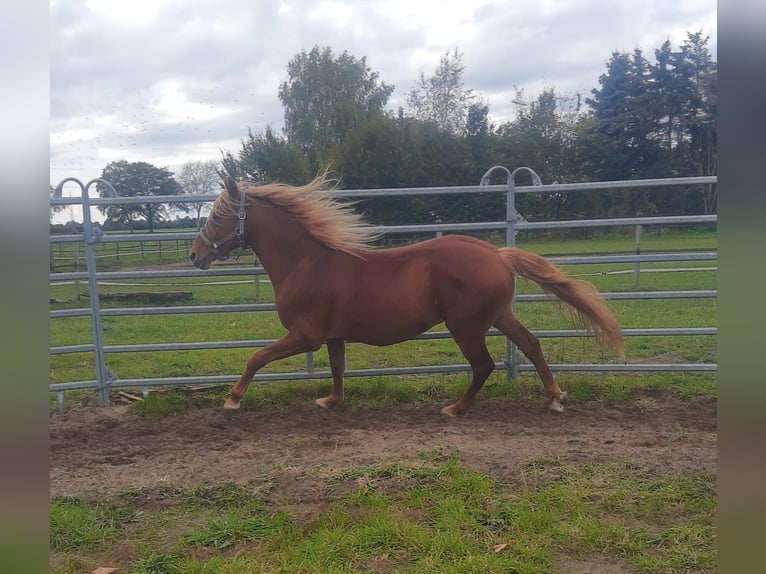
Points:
x=239 y=233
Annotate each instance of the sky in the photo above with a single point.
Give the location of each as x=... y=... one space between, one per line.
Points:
x=172 y=81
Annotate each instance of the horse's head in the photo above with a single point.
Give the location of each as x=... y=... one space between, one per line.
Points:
x=224 y=229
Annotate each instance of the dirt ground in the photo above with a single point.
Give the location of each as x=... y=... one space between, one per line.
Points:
x=96 y=452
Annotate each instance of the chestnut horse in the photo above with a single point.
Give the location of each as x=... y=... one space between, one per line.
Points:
x=331 y=286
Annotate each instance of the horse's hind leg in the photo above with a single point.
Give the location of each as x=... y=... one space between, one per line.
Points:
x=336 y=349
x=512 y=328
x=482 y=365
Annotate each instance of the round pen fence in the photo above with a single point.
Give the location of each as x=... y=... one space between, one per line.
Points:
x=90 y=243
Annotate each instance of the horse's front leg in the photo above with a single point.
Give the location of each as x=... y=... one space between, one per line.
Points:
x=289 y=345
x=336 y=349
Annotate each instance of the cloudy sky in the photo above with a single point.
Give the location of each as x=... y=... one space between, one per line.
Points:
x=169 y=81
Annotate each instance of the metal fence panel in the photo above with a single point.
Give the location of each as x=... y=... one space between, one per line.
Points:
x=93 y=235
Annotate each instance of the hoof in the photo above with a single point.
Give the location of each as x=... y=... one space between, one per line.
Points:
x=555 y=406
x=451 y=411
x=230 y=407
x=327 y=402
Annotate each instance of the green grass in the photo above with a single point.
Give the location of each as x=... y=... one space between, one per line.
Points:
x=612 y=389
x=110 y=256
x=162 y=405
x=622 y=240
x=437 y=516
x=75 y=525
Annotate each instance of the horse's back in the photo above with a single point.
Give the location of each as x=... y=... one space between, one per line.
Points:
x=406 y=290
x=463 y=259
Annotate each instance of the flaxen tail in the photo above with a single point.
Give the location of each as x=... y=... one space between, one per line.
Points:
x=581 y=296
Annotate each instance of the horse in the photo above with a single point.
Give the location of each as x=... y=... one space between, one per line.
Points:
x=331 y=285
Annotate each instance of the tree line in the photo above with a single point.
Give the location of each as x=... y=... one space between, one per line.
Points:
x=645 y=119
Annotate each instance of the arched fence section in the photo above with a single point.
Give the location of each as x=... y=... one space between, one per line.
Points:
x=92 y=236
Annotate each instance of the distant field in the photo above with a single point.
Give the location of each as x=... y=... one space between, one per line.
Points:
x=115 y=255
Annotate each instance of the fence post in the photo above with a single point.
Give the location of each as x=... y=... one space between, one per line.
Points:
x=257 y=281
x=637 y=267
x=511 y=358
x=91 y=236
x=310 y=362
x=76 y=267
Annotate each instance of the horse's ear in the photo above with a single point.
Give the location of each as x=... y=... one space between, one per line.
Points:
x=231 y=186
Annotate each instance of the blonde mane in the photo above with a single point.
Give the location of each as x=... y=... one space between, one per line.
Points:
x=331 y=223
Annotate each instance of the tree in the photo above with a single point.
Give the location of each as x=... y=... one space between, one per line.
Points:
x=625 y=123
x=267 y=158
x=545 y=136
x=137 y=179
x=405 y=152
x=477 y=122
x=481 y=139
x=325 y=97
x=441 y=98
x=199 y=178
x=670 y=93
x=701 y=149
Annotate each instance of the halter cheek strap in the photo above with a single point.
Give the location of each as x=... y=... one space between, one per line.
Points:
x=239 y=233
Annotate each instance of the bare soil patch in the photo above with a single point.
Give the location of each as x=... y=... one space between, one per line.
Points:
x=97 y=452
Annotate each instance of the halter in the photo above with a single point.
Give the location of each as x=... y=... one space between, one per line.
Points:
x=239 y=233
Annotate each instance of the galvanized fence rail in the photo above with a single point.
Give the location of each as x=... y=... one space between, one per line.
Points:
x=92 y=235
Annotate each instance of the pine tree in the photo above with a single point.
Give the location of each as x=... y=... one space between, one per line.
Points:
x=624 y=119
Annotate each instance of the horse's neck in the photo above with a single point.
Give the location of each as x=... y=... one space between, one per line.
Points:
x=281 y=243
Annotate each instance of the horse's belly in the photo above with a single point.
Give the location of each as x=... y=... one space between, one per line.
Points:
x=380 y=325
x=383 y=336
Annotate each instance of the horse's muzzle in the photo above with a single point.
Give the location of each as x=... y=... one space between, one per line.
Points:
x=199 y=262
